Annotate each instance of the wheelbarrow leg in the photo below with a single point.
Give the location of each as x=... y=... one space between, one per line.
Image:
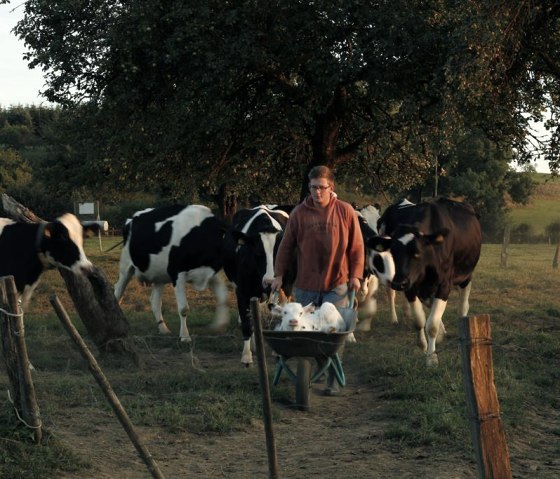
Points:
x=303 y=380
x=335 y=377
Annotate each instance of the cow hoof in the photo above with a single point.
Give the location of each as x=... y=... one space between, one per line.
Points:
x=432 y=360
x=163 y=329
x=247 y=365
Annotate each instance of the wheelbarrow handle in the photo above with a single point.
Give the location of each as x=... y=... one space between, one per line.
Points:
x=351 y=297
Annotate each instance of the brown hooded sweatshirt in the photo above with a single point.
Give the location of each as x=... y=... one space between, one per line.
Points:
x=328 y=243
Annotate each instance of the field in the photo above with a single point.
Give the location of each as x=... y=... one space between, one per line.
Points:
x=544 y=207
x=199 y=412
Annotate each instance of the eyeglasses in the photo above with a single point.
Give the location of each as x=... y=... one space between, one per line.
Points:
x=319 y=187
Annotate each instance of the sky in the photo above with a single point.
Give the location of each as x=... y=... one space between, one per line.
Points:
x=20 y=85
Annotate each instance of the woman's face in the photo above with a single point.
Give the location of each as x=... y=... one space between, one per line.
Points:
x=320 y=191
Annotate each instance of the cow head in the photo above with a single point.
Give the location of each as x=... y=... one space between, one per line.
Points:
x=61 y=243
x=410 y=252
x=256 y=253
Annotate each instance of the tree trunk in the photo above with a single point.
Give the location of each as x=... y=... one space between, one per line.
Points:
x=325 y=139
x=92 y=296
x=227 y=202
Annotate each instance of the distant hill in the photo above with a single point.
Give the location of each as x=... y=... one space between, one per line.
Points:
x=544 y=207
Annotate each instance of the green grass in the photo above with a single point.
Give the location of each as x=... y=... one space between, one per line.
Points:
x=424 y=409
x=544 y=207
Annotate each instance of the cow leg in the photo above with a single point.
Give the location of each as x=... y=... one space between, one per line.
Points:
x=464 y=294
x=243 y=305
x=247 y=354
x=433 y=329
x=219 y=288
x=155 y=302
x=407 y=310
x=367 y=304
x=182 y=306
x=420 y=321
x=391 y=297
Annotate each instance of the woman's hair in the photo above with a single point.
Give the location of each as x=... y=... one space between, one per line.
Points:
x=321 y=171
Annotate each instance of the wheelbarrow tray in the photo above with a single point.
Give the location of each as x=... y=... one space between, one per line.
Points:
x=316 y=344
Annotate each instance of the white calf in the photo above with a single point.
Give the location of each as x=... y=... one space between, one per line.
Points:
x=296 y=317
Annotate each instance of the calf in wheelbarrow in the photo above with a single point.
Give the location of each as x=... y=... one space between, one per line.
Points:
x=304 y=346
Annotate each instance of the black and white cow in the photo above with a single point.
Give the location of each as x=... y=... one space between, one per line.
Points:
x=26 y=250
x=437 y=248
x=382 y=262
x=179 y=245
x=253 y=241
x=367 y=302
x=383 y=269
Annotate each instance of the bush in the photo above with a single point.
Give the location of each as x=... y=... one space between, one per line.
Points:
x=552 y=231
x=522 y=233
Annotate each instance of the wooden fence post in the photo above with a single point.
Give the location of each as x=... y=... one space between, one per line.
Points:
x=490 y=445
x=505 y=245
x=556 y=254
x=17 y=360
x=106 y=388
x=265 y=391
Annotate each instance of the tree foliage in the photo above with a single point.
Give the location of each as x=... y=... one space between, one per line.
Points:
x=182 y=97
x=255 y=92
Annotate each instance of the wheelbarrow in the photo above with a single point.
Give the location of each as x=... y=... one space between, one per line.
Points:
x=304 y=346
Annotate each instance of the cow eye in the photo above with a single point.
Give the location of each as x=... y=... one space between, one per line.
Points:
x=416 y=255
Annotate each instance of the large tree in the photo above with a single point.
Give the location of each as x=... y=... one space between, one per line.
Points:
x=182 y=94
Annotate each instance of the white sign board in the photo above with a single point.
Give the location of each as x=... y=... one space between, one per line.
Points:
x=86 y=208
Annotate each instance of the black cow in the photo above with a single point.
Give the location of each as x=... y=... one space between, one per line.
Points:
x=252 y=243
x=178 y=245
x=437 y=248
x=26 y=250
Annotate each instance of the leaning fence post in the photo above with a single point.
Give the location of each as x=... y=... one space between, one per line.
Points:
x=489 y=441
x=106 y=388
x=265 y=390
x=17 y=360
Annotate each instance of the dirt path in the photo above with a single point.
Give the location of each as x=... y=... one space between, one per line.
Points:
x=339 y=437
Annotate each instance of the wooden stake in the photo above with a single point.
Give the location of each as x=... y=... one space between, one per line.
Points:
x=490 y=445
x=505 y=245
x=106 y=388
x=556 y=254
x=265 y=390
x=21 y=379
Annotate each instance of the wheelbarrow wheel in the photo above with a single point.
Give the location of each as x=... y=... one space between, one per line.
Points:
x=303 y=379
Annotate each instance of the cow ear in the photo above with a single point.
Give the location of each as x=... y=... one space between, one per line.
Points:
x=379 y=243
